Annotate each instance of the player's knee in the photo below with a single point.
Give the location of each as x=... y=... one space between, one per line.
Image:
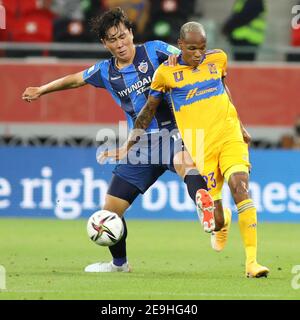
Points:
x=238 y=183
x=115 y=204
x=183 y=163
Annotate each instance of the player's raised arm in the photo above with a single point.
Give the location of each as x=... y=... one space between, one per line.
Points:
x=68 y=82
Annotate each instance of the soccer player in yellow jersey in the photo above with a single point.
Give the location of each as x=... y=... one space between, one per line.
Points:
x=209 y=125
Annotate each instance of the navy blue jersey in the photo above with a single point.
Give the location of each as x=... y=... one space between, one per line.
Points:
x=130 y=85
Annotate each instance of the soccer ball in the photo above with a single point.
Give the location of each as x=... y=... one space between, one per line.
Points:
x=105 y=228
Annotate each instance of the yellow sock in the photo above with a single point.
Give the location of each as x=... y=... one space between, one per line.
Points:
x=226 y=216
x=248 y=223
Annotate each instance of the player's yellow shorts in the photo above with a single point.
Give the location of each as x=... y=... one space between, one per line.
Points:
x=228 y=152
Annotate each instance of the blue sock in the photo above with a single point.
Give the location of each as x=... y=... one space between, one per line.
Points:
x=119 y=261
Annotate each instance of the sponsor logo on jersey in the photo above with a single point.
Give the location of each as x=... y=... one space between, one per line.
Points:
x=140 y=87
x=198 y=92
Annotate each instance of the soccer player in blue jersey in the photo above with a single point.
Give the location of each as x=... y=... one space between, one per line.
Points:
x=127 y=76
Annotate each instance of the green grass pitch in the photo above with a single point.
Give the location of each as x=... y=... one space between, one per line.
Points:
x=44 y=259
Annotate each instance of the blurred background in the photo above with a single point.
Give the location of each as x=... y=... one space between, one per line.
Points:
x=52 y=38
x=48 y=147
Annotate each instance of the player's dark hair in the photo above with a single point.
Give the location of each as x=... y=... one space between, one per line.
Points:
x=111 y=18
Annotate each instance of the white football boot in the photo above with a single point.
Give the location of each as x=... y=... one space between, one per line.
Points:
x=107 y=267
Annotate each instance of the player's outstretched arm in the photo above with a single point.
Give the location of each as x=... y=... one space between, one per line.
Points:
x=142 y=122
x=146 y=115
x=67 y=82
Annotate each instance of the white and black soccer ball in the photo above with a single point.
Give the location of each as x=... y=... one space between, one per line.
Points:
x=105 y=228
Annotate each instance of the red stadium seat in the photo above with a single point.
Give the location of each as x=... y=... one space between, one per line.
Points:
x=21 y=8
x=34 y=28
x=30 y=7
x=11 y=6
x=4 y=32
x=295 y=37
x=5 y=35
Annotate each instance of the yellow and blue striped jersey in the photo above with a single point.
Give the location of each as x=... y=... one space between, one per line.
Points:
x=199 y=98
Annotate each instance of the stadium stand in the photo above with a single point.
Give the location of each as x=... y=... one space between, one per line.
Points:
x=166 y=16
x=295 y=42
x=36 y=28
x=32 y=28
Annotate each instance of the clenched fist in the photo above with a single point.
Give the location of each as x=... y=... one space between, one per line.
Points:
x=31 y=93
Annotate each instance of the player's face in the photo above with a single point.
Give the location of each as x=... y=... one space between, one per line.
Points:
x=119 y=42
x=193 y=48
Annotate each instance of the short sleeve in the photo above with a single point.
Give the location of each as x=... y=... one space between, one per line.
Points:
x=158 y=85
x=164 y=50
x=224 y=64
x=93 y=76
